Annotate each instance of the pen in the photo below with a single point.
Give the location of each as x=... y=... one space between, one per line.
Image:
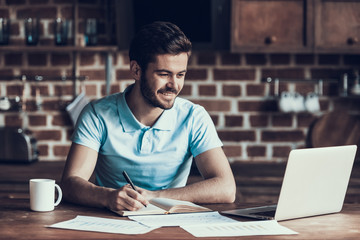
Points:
x=128 y=180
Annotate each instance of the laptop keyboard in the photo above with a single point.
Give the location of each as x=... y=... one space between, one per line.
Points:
x=266 y=213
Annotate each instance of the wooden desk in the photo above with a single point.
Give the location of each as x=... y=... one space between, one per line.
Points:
x=19 y=222
x=256 y=182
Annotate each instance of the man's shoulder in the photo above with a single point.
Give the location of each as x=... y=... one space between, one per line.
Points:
x=187 y=109
x=185 y=104
x=106 y=102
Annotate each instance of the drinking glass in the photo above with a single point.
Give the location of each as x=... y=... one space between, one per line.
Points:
x=31 y=31
x=61 y=27
x=91 y=32
x=4 y=31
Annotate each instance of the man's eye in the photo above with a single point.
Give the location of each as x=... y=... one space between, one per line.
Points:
x=181 y=75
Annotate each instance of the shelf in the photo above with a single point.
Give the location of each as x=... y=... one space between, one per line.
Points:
x=39 y=78
x=12 y=48
x=108 y=50
x=318 y=82
x=301 y=80
x=350 y=96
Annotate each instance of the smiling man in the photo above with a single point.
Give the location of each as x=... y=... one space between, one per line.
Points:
x=150 y=133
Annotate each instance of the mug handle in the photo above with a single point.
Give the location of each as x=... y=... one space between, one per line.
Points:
x=59 y=196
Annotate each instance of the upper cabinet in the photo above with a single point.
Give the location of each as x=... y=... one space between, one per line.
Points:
x=275 y=25
x=337 y=25
x=295 y=26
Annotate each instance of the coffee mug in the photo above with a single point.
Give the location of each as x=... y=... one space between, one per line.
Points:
x=42 y=194
x=312 y=102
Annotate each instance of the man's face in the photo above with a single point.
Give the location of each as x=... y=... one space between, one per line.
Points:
x=163 y=80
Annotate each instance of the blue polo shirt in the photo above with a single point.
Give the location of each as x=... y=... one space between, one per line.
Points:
x=156 y=157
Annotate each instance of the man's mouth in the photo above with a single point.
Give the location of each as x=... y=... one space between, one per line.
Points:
x=167 y=92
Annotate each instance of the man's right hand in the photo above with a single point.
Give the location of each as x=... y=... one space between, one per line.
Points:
x=126 y=198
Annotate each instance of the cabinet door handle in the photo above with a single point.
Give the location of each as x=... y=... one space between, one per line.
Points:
x=352 y=40
x=270 y=39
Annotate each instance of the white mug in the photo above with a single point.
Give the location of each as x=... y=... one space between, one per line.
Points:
x=312 y=103
x=285 y=102
x=42 y=194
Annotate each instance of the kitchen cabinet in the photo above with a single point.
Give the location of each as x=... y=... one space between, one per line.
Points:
x=337 y=25
x=298 y=26
x=263 y=26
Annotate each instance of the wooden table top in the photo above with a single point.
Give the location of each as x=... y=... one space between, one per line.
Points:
x=19 y=222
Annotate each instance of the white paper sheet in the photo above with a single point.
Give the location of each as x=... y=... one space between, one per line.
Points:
x=107 y=225
x=182 y=219
x=253 y=228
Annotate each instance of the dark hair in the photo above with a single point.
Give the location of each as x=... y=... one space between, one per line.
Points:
x=158 y=38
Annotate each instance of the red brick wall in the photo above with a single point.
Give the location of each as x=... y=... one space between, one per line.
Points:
x=228 y=85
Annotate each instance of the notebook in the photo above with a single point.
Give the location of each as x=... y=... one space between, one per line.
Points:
x=315 y=183
x=166 y=206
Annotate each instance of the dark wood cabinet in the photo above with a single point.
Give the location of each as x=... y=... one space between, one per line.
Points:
x=337 y=25
x=295 y=26
x=274 y=25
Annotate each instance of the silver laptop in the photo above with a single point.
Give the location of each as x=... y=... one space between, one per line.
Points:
x=315 y=183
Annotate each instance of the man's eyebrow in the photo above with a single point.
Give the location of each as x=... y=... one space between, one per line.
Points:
x=168 y=71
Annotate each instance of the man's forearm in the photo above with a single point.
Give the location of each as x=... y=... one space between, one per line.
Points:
x=213 y=190
x=80 y=191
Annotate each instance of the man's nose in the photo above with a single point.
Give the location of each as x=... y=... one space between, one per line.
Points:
x=172 y=81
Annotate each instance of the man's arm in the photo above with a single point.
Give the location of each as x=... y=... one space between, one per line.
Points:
x=218 y=185
x=76 y=187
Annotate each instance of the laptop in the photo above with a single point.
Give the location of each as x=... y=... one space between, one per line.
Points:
x=315 y=183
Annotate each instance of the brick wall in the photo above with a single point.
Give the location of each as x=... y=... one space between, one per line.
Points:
x=228 y=85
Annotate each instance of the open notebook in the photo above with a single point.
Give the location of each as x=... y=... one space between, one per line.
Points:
x=166 y=206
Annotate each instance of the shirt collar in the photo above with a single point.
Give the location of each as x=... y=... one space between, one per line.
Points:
x=167 y=120
x=130 y=123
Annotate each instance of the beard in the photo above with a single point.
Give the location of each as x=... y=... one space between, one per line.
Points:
x=150 y=96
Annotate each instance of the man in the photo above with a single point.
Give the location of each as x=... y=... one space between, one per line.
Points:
x=148 y=132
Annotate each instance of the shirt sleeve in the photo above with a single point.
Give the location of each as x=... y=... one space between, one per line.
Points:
x=203 y=135
x=88 y=130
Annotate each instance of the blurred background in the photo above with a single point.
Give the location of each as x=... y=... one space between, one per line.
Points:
x=274 y=75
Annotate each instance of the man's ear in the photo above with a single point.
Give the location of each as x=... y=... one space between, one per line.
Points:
x=135 y=70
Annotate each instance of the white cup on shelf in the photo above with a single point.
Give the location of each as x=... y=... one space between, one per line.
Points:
x=312 y=102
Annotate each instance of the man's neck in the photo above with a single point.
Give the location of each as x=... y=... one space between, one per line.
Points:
x=142 y=110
